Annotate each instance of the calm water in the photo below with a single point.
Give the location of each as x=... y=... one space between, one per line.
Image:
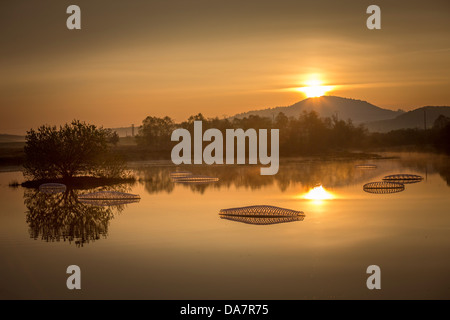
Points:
x=173 y=244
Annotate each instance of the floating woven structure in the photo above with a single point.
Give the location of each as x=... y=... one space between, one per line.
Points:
x=264 y=220
x=108 y=195
x=180 y=174
x=403 y=178
x=108 y=203
x=108 y=198
x=196 y=179
x=260 y=211
x=366 y=166
x=382 y=187
x=52 y=188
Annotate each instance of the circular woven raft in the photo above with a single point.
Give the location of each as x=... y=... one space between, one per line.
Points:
x=366 y=166
x=108 y=195
x=260 y=211
x=108 y=203
x=403 y=178
x=52 y=188
x=108 y=198
x=180 y=174
x=382 y=187
x=195 y=179
x=263 y=220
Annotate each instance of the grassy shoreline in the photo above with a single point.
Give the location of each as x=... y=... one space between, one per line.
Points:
x=12 y=154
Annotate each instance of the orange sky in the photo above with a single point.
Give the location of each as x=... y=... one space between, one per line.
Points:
x=177 y=58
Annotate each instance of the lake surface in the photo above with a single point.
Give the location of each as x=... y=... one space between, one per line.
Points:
x=173 y=244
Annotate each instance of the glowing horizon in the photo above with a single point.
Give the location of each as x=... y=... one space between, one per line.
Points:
x=218 y=59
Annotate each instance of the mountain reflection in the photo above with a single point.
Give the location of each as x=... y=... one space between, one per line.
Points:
x=61 y=217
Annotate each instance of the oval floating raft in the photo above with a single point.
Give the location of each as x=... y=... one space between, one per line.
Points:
x=366 y=166
x=382 y=187
x=108 y=202
x=263 y=220
x=52 y=188
x=260 y=211
x=180 y=174
x=108 y=198
x=108 y=195
x=196 y=179
x=403 y=178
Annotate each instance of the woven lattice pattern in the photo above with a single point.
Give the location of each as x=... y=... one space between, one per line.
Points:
x=108 y=195
x=196 y=179
x=263 y=220
x=108 y=202
x=366 y=166
x=261 y=211
x=382 y=187
x=180 y=174
x=52 y=188
x=403 y=178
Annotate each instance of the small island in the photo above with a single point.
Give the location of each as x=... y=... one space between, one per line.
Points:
x=78 y=155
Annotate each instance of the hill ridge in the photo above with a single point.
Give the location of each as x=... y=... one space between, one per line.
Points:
x=359 y=111
x=422 y=117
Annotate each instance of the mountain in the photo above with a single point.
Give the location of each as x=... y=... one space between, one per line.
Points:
x=411 y=119
x=326 y=106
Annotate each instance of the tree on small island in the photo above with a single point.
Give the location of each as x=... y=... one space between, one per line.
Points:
x=73 y=150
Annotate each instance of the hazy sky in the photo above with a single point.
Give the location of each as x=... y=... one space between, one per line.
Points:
x=177 y=58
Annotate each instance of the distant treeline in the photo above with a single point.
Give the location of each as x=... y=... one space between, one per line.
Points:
x=436 y=138
x=307 y=134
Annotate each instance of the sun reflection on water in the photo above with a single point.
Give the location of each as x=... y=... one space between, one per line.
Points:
x=318 y=194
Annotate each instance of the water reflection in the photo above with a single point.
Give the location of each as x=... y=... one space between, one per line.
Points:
x=180 y=174
x=108 y=198
x=51 y=188
x=196 y=179
x=61 y=217
x=260 y=210
x=261 y=215
x=304 y=174
x=403 y=178
x=159 y=178
x=427 y=164
x=366 y=166
x=184 y=229
x=262 y=220
x=108 y=202
x=318 y=193
x=382 y=187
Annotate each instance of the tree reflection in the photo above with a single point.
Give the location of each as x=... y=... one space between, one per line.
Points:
x=60 y=216
x=427 y=164
x=156 y=178
x=307 y=173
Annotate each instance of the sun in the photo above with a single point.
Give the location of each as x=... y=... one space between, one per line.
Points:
x=314 y=88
